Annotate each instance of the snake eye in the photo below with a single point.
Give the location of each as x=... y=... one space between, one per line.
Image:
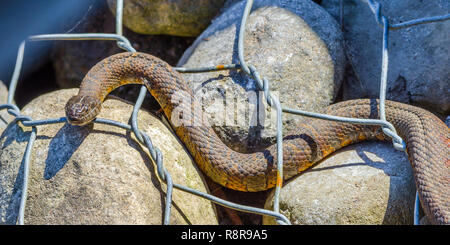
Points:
x=81 y=110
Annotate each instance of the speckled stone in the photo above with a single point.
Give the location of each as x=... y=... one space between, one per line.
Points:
x=96 y=174
x=179 y=18
x=367 y=183
x=297 y=46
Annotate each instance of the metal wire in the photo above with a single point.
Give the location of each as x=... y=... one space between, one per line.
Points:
x=119 y=14
x=271 y=100
x=262 y=84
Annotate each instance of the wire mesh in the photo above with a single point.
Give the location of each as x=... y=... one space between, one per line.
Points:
x=262 y=83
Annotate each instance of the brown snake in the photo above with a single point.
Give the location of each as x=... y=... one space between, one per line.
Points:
x=427 y=138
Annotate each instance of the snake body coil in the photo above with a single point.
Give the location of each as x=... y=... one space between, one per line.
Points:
x=427 y=137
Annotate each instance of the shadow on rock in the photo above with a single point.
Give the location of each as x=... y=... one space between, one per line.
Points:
x=62 y=147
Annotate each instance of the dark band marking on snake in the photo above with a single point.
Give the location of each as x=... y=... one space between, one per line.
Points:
x=427 y=138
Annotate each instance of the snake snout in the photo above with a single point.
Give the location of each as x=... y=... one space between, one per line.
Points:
x=81 y=110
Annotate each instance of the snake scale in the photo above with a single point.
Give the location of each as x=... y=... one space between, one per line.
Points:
x=427 y=138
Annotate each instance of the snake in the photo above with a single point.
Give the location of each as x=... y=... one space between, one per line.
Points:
x=427 y=137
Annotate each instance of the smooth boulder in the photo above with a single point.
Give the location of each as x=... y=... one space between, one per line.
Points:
x=297 y=46
x=178 y=18
x=96 y=174
x=366 y=184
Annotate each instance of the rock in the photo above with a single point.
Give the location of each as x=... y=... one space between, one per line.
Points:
x=96 y=174
x=73 y=59
x=178 y=18
x=419 y=70
x=296 y=45
x=5 y=118
x=367 y=183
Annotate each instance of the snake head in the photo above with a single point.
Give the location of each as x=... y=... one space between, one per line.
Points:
x=82 y=109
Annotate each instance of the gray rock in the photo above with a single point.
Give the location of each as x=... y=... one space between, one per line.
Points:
x=367 y=183
x=296 y=45
x=179 y=18
x=419 y=67
x=96 y=174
